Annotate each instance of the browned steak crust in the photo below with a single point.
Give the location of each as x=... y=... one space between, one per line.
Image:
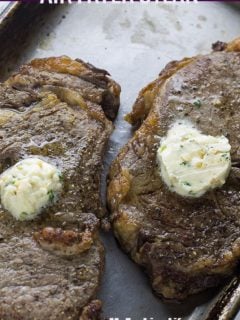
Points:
x=59 y=110
x=48 y=110
x=36 y=282
x=185 y=245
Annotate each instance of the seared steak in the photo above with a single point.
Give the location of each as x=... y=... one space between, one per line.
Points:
x=39 y=282
x=185 y=244
x=59 y=110
x=48 y=110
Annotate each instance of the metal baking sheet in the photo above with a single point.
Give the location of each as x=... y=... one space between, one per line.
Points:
x=133 y=42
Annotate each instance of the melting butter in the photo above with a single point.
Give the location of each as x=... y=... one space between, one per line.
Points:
x=191 y=163
x=28 y=187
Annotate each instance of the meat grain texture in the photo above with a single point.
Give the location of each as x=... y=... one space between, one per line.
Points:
x=59 y=110
x=185 y=245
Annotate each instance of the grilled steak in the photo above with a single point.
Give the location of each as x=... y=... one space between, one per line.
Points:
x=185 y=244
x=60 y=111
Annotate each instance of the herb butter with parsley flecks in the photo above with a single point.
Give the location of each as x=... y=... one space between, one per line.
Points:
x=191 y=163
x=28 y=187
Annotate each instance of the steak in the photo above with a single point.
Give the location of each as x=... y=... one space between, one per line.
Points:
x=61 y=111
x=39 y=282
x=185 y=244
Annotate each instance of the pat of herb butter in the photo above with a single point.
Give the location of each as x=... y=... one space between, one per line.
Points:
x=28 y=187
x=191 y=162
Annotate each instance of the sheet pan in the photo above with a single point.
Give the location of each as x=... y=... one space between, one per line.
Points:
x=133 y=42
